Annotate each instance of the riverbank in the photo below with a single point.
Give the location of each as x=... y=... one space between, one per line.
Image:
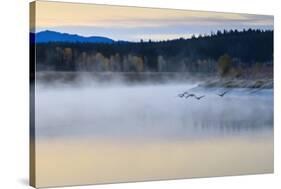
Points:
x=239 y=83
x=205 y=80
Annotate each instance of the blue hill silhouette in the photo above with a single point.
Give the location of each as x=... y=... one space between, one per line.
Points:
x=52 y=36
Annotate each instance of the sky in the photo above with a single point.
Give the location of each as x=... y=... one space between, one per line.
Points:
x=135 y=23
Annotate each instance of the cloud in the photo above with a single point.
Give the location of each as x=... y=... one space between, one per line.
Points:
x=131 y=23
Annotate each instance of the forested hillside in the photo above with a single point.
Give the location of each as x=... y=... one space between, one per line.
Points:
x=205 y=54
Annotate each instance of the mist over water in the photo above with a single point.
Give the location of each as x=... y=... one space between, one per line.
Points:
x=115 y=129
x=148 y=110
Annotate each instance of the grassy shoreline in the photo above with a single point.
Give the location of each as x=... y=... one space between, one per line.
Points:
x=206 y=80
x=265 y=83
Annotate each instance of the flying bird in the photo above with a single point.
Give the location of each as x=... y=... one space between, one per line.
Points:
x=190 y=95
x=199 y=97
x=183 y=94
x=222 y=94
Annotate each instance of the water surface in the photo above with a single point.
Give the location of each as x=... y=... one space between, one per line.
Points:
x=117 y=132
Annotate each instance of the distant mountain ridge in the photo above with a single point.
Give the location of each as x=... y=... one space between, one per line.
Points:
x=52 y=36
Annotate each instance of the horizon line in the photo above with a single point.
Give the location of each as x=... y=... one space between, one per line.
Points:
x=196 y=35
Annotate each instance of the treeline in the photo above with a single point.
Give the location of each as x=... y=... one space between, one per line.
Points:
x=246 y=49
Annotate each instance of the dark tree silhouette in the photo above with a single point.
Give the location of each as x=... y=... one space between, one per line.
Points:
x=196 y=55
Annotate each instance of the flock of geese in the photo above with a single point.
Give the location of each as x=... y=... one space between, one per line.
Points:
x=186 y=95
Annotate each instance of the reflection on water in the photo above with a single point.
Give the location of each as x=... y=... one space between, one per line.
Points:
x=72 y=162
x=118 y=133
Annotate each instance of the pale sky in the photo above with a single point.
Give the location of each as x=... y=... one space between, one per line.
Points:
x=133 y=23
